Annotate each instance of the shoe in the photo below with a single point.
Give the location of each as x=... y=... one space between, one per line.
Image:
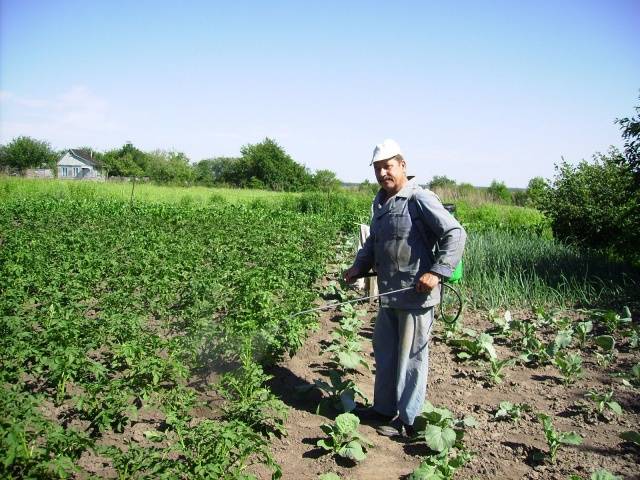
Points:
x=369 y=414
x=396 y=428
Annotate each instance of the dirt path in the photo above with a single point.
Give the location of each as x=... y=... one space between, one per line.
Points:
x=502 y=450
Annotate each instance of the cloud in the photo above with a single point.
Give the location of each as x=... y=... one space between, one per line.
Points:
x=74 y=117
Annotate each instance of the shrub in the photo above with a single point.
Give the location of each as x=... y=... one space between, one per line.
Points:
x=595 y=204
x=499 y=192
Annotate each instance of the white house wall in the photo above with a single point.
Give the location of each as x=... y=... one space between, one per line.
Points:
x=69 y=160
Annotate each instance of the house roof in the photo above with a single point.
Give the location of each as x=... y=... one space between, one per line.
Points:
x=84 y=156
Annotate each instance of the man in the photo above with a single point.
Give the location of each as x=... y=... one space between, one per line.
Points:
x=414 y=240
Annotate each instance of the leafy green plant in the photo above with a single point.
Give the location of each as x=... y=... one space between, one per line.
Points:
x=344 y=439
x=632 y=437
x=440 y=429
x=598 y=475
x=340 y=393
x=608 y=346
x=511 y=411
x=613 y=321
x=556 y=438
x=496 y=369
x=329 y=476
x=476 y=347
x=604 y=401
x=632 y=378
x=503 y=322
x=569 y=365
x=442 y=466
x=582 y=330
x=248 y=400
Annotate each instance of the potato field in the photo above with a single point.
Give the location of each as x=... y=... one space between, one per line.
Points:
x=155 y=338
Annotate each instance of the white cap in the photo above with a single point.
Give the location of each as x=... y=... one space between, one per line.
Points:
x=385 y=150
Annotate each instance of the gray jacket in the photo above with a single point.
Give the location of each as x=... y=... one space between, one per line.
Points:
x=411 y=234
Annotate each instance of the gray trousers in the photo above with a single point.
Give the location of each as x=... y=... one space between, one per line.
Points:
x=401 y=348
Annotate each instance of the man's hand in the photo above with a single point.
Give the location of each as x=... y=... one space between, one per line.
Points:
x=427 y=282
x=351 y=274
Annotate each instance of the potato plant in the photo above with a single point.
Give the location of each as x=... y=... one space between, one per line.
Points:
x=111 y=307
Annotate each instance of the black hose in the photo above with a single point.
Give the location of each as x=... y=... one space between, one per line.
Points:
x=446 y=318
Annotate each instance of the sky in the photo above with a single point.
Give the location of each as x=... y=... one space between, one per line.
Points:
x=476 y=91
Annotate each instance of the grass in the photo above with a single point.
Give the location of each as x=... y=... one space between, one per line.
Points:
x=506 y=269
x=145 y=192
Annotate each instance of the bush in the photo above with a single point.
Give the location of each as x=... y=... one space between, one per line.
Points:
x=499 y=192
x=595 y=204
x=26 y=152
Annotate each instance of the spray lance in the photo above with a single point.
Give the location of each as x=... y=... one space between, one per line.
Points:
x=443 y=285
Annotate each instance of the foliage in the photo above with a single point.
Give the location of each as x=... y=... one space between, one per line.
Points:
x=128 y=161
x=499 y=192
x=505 y=218
x=325 y=181
x=249 y=401
x=607 y=344
x=214 y=171
x=344 y=439
x=556 y=438
x=569 y=365
x=632 y=437
x=475 y=346
x=440 y=429
x=511 y=411
x=439 y=181
x=631 y=135
x=496 y=369
x=340 y=393
x=440 y=467
x=267 y=165
x=595 y=204
x=604 y=401
x=169 y=167
x=537 y=190
x=105 y=313
x=24 y=152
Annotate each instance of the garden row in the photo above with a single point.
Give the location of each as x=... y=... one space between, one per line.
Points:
x=115 y=317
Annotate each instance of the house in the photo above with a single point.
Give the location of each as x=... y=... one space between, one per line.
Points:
x=79 y=164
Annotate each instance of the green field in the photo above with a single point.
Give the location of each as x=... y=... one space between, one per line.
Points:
x=116 y=311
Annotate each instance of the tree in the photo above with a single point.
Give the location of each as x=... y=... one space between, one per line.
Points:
x=169 y=167
x=127 y=161
x=26 y=152
x=537 y=189
x=215 y=171
x=267 y=165
x=499 y=191
x=325 y=180
x=595 y=204
x=631 y=134
x=441 y=181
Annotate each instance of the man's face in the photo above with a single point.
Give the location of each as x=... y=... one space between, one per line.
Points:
x=391 y=174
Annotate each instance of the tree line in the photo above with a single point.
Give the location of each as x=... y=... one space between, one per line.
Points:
x=264 y=165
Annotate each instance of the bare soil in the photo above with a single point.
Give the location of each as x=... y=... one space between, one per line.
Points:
x=502 y=449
